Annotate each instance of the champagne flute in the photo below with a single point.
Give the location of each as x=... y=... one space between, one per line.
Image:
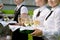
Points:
x=31 y=21
x=27 y=22
x=36 y=23
x=10 y=17
x=20 y=20
x=6 y=18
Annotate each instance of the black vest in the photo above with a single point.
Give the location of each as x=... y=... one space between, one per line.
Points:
x=17 y=13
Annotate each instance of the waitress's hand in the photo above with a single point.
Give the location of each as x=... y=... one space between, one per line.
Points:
x=37 y=32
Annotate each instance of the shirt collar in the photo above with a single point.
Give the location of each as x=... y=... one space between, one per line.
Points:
x=52 y=9
x=42 y=8
x=18 y=6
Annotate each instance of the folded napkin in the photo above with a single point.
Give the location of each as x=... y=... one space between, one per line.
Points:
x=5 y=23
x=14 y=27
x=27 y=28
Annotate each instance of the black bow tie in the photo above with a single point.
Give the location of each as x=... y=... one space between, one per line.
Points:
x=49 y=15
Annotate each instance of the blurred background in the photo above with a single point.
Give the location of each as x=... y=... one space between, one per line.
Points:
x=9 y=4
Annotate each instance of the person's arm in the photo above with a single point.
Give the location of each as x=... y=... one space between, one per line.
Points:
x=41 y=28
x=56 y=31
x=57 y=21
x=24 y=10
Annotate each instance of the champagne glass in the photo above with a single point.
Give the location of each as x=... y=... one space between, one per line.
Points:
x=31 y=21
x=6 y=18
x=20 y=20
x=10 y=17
x=27 y=22
x=36 y=23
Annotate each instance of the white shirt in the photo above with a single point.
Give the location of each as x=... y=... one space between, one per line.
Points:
x=23 y=9
x=43 y=12
x=52 y=25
